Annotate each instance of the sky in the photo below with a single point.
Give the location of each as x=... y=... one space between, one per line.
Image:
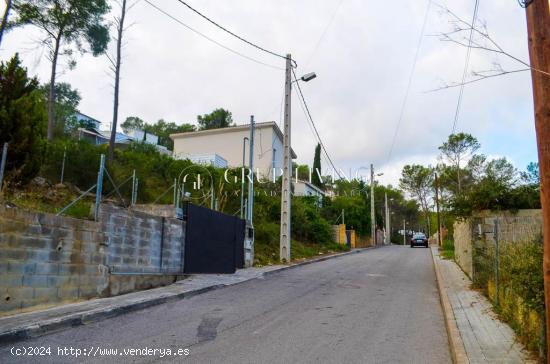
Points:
x=362 y=52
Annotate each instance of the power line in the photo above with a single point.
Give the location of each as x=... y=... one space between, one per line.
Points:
x=325 y=160
x=325 y=31
x=233 y=34
x=466 y=66
x=210 y=39
x=303 y=99
x=411 y=76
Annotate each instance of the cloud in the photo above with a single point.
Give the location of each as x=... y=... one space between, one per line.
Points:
x=363 y=63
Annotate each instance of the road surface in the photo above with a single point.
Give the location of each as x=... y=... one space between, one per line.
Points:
x=379 y=306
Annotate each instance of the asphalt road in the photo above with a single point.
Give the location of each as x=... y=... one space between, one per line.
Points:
x=379 y=306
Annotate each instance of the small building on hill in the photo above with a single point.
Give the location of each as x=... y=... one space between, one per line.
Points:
x=227 y=144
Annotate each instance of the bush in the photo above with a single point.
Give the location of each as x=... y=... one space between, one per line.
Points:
x=306 y=222
x=22 y=121
x=448 y=249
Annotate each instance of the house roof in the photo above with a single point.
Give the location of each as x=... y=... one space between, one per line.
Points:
x=119 y=137
x=233 y=129
x=88 y=117
x=311 y=185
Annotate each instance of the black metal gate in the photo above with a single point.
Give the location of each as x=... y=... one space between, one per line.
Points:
x=214 y=242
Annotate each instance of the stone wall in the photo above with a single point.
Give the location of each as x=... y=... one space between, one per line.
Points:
x=522 y=226
x=463 y=245
x=47 y=259
x=141 y=243
x=157 y=210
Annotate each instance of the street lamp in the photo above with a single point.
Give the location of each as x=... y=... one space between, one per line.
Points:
x=308 y=77
x=286 y=188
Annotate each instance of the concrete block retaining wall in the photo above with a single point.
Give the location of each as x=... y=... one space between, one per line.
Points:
x=47 y=259
x=518 y=227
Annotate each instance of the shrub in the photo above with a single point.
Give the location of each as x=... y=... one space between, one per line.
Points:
x=22 y=121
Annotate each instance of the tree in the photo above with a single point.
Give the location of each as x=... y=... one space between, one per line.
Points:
x=65 y=23
x=67 y=100
x=116 y=66
x=219 y=118
x=132 y=123
x=22 y=117
x=5 y=18
x=457 y=149
x=532 y=175
x=315 y=179
x=419 y=182
x=161 y=128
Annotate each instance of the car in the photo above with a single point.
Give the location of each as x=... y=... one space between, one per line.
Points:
x=419 y=239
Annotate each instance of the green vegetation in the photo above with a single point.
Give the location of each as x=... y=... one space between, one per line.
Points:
x=268 y=254
x=161 y=128
x=472 y=182
x=447 y=251
x=22 y=116
x=316 y=170
x=519 y=298
x=67 y=100
x=65 y=24
x=219 y=118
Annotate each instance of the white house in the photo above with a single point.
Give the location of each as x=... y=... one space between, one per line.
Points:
x=87 y=120
x=304 y=188
x=227 y=144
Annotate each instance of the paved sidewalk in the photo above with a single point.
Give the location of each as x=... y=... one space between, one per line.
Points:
x=483 y=337
x=32 y=324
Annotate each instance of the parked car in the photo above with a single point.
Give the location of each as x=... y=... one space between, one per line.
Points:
x=419 y=239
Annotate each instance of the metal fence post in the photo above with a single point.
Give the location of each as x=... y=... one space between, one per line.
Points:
x=175 y=191
x=496 y=237
x=3 y=164
x=134 y=195
x=99 y=188
x=132 y=199
x=63 y=165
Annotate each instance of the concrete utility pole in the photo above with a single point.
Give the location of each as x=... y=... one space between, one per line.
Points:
x=387 y=236
x=343 y=217
x=439 y=236
x=538 y=25
x=372 y=214
x=245 y=139
x=404 y=233
x=250 y=209
x=284 y=248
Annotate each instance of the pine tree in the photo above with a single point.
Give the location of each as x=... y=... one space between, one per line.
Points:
x=22 y=120
x=317 y=168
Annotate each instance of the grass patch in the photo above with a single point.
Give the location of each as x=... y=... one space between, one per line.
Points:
x=447 y=251
x=268 y=254
x=52 y=200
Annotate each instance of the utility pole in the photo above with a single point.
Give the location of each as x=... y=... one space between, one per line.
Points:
x=387 y=235
x=284 y=248
x=250 y=209
x=242 y=178
x=439 y=237
x=538 y=25
x=343 y=217
x=404 y=233
x=372 y=214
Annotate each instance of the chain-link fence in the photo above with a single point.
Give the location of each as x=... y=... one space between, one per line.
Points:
x=507 y=253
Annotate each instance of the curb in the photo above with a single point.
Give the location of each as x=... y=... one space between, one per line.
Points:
x=50 y=326
x=317 y=260
x=458 y=351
